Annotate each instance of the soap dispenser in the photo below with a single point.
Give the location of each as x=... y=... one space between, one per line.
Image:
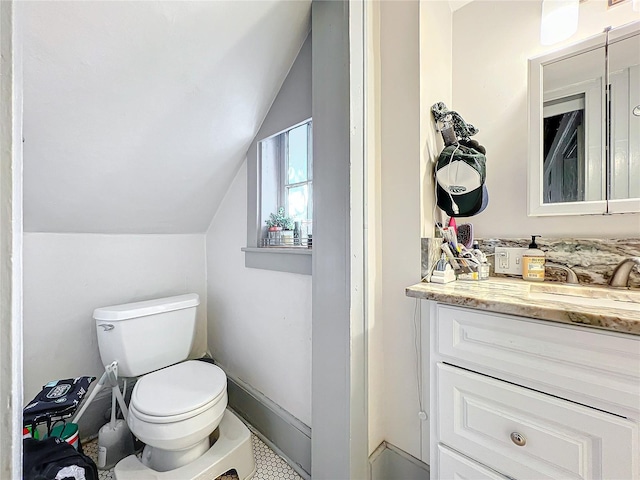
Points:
x=533 y=262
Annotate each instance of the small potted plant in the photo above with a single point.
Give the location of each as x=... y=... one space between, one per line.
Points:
x=276 y=223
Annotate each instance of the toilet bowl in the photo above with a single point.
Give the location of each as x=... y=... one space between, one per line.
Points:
x=176 y=404
x=175 y=409
x=231 y=451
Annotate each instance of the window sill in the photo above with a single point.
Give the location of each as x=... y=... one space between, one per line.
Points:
x=280 y=259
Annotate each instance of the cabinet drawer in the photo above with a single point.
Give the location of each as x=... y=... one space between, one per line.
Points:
x=591 y=367
x=455 y=466
x=552 y=438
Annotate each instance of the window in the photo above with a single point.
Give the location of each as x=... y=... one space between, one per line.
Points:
x=286 y=181
x=297 y=191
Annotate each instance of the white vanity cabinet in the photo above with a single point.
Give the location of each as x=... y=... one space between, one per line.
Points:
x=512 y=397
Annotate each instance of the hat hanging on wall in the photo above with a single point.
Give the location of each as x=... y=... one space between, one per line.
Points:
x=460 y=171
x=460 y=181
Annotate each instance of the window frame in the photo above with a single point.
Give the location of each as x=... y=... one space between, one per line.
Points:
x=294 y=259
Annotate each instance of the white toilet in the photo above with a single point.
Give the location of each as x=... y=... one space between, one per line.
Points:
x=177 y=405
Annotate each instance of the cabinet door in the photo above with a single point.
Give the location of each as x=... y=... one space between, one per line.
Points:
x=525 y=434
x=454 y=466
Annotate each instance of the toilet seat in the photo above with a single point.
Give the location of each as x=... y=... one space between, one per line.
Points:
x=178 y=407
x=178 y=392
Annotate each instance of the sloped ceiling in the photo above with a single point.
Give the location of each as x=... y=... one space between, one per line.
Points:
x=138 y=114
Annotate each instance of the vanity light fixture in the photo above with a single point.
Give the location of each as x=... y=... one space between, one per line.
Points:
x=559 y=20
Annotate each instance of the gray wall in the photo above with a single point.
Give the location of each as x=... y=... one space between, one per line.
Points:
x=10 y=242
x=291 y=106
x=339 y=412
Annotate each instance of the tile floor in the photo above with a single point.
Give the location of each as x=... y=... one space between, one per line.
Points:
x=269 y=465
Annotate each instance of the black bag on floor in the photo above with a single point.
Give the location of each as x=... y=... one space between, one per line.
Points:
x=53 y=458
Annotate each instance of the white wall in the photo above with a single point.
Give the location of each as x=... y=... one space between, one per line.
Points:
x=436 y=24
x=374 y=317
x=492 y=42
x=435 y=86
x=259 y=321
x=400 y=216
x=67 y=276
x=411 y=55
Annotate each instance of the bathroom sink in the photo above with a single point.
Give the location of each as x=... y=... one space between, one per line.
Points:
x=586 y=301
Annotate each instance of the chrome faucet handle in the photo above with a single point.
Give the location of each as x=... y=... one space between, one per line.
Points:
x=571 y=279
x=620 y=276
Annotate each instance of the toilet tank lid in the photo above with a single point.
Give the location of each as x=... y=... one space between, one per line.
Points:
x=125 y=311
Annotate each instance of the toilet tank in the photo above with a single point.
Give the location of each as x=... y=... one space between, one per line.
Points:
x=146 y=336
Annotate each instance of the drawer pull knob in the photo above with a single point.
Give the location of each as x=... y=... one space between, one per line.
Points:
x=518 y=439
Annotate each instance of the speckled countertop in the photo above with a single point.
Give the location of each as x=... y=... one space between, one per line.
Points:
x=599 y=307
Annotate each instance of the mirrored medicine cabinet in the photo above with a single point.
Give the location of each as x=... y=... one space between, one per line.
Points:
x=584 y=126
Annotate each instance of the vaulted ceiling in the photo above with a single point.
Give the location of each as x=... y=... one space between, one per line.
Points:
x=137 y=115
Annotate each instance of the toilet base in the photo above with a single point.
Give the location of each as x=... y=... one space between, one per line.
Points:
x=232 y=450
x=167 y=460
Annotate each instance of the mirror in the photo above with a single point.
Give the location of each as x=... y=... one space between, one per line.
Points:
x=624 y=81
x=573 y=143
x=577 y=165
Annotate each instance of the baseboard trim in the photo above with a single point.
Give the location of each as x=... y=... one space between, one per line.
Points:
x=388 y=462
x=281 y=431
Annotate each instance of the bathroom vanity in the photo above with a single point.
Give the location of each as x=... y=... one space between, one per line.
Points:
x=520 y=388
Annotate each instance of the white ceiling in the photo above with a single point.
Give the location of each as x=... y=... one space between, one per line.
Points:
x=137 y=115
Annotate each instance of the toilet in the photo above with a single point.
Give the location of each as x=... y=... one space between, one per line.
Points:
x=178 y=407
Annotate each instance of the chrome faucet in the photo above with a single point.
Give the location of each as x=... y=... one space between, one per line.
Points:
x=572 y=278
x=620 y=276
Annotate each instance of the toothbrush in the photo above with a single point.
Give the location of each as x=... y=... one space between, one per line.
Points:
x=452 y=260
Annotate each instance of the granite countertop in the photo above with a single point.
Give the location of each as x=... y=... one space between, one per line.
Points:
x=599 y=307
